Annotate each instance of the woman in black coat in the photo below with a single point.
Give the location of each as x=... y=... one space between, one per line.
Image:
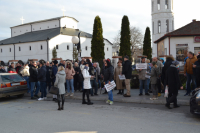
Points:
x=76 y=76
x=173 y=82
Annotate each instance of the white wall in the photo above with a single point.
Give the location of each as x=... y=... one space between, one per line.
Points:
x=45 y=25
x=35 y=53
x=108 y=53
x=6 y=55
x=20 y=30
x=69 y=22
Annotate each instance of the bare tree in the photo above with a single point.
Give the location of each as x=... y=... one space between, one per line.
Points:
x=136 y=41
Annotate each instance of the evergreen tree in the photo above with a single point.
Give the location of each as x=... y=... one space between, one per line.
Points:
x=54 y=52
x=97 y=48
x=125 y=44
x=147 y=50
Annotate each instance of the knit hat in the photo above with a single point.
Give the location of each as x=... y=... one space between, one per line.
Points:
x=175 y=62
x=126 y=57
x=55 y=62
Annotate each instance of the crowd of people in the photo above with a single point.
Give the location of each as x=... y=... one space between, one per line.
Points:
x=88 y=78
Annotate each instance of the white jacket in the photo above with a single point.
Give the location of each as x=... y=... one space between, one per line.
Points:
x=25 y=71
x=86 y=76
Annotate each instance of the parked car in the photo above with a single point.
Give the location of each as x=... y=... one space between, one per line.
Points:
x=12 y=84
x=195 y=102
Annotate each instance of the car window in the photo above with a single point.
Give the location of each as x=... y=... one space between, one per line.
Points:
x=11 y=78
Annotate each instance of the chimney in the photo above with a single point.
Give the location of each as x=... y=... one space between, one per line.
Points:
x=194 y=20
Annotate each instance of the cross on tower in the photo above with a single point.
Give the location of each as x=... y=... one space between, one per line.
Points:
x=22 y=19
x=63 y=9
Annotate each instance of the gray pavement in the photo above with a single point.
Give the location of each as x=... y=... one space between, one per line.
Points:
x=22 y=115
x=135 y=98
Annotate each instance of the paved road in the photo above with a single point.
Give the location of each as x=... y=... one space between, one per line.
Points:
x=28 y=116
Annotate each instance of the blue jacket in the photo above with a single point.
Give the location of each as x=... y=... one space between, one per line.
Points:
x=42 y=74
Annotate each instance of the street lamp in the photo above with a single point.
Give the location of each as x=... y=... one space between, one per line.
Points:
x=75 y=40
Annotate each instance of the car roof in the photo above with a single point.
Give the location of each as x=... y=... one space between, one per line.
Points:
x=8 y=74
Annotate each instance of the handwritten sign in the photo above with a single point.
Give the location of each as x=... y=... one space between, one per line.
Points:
x=122 y=77
x=141 y=65
x=110 y=86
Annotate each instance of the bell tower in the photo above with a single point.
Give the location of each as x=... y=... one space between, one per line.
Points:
x=162 y=20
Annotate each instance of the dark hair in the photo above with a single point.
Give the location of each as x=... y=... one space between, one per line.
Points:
x=12 y=63
x=191 y=53
x=143 y=58
x=108 y=64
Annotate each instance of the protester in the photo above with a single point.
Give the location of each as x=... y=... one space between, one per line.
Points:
x=48 y=75
x=25 y=74
x=108 y=77
x=196 y=70
x=102 y=72
x=87 y=85
x=33 y=80
x=42 y=78
x=60 y=81
x=61 y=63
x=11 y=69
x=94 y=73
x=118 y=71
x=81 y=62
x=154 y=75
x=148 y=78
x=69 y=70
x=99 y=75
x=142 y=78
x=173 y=82
x=19 y=68
x=2 y=70
x=188 y=71
x=76 y=76
x=54 y=72
x=163 y=61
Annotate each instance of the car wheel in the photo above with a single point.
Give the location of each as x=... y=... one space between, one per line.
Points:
x=20 y=96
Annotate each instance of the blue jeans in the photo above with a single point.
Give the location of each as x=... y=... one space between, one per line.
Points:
x=28 y=85
x=43 y=87
x=143 y=84
x=110 y=94
x=189 y=78
x=33 y=84
x=99 y=83
x=93 y=83
x=70 y=83
x=148 y=82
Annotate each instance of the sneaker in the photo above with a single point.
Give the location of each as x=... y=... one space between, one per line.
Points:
x=95 y=94
x=147 y=94
x=72 y=95
x=67 y=95
x=33 y=98
x=176 y=106
x=140 y=94
x=111 y=103
x=108 y=101
x=40 y=99
x=45 y=98
x=152 y=99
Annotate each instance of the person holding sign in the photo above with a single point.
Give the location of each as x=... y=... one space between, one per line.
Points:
x=108 y=75
x=118 y=71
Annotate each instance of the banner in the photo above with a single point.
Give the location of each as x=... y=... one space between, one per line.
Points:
x=110 y=86
x=141 y=65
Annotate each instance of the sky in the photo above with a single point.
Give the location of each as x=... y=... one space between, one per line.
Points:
x=110 y=12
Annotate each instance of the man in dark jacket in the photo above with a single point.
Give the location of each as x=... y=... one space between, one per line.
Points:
x=42 y=78
x=196 y=70
x=127 y=71
x=173 y=82
x=33 y=80
x=11 y=69
x=76 y=76
x=48 y=74
x=54 y=72
x=19 y=68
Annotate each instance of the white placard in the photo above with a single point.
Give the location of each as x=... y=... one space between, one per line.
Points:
x=122 y=77
x=141 y=65
x=110 y=86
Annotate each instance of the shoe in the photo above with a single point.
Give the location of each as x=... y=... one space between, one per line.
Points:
x=108 y=101
x=92 y=95
x=140 y=94
x=89 y=103
x=125 y=95
x=62 y=108
x=168 y=106
x=72 y=95
x=95 y=94
x=159 y=94
x=33 y=98
x=67 y=95
x=119 y=93
x=84 y=102
x=147 y=94
x=152 y=98
x=111 y=103
x=36 y=96
x=176 y=106
x=186 y=94
x=45 y=98
x=40 y=99
x=56 y=100
x=59 y=109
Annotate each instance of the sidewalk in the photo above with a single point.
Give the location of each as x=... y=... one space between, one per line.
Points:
x=135 y=98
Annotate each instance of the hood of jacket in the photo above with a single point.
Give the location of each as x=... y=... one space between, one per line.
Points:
x=26 y=67
x=170 y=58
x=62 y=72
x=70 y=64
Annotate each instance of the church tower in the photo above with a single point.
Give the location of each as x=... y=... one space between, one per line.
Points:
x=162 y=20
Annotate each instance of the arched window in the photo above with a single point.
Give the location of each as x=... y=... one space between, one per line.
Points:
x=158 y=2
x=166 y=4
x=86 y=48
x=56 y=46
x=153 y=27
x=159 y=26
x=67 y=47
x=19 y=48
x=41 y=47
x=1 y=50
x=29 y=47
x=10 y=49
x=167 y=25
x=107 y=49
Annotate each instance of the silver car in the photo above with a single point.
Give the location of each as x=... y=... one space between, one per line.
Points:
x=12 y=84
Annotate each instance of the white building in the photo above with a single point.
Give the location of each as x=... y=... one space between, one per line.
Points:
x=162 y=21
x=36 y=40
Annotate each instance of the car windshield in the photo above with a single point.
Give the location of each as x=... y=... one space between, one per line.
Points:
x=11 y=78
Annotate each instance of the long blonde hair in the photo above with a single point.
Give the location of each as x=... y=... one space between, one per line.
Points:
x=60 y=68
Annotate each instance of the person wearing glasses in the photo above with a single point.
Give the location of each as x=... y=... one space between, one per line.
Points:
x=69 y=70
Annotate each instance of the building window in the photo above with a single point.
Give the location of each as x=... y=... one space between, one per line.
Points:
x=152 y=6
x=55 y=25
x=41 y=47
x=29 y=47
x=158 y=4
x=107 y=49
x=1 y=50
x=56 y=46
x=166 y=4
x=167 y=25
x=153 y=27
x=159 y=26
x=67 y=47
x=19 y=48
x=86 y=48
x=10 y=49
